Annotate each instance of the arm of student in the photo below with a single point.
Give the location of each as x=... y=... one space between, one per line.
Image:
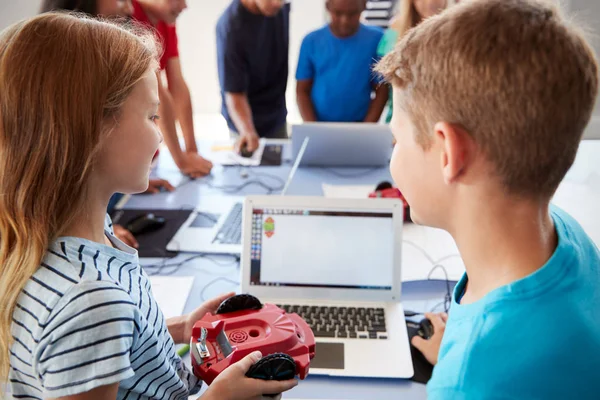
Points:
x=234 y=80
x=190 y=163
x=182 y=101
x=107 y=392
x=125 y=236
x=305 y=75
x=431 y=347
x=305 y=105
x=378 y=103
x=92 y=332
x=241 y=114
x=167 y=121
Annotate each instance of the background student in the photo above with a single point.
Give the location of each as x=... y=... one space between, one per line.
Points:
x=335 y=77
x=252 y=58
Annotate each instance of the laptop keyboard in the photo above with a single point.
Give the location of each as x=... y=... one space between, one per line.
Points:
x=231 y=230
x=342 y=322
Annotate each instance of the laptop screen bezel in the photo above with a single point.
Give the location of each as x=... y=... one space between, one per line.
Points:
x=289 y=292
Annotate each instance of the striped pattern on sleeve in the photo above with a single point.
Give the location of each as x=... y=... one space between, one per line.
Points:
x=87 y=318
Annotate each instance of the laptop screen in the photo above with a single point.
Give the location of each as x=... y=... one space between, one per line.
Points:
x=319 y=248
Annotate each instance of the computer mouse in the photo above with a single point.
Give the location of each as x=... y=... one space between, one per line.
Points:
x=423 y=369
x=244 y=151
x=425 y=329
x=145 y=223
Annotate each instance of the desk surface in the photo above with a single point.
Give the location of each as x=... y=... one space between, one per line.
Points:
x=579 y=194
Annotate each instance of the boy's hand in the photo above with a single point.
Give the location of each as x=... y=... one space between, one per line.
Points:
x=431 y=347
x=233 y=384
x=250 y=140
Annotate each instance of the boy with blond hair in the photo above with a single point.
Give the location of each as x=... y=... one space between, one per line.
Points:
x=490 y=102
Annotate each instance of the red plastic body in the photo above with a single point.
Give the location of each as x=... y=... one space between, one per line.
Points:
x=393 y=193
x=270 y=330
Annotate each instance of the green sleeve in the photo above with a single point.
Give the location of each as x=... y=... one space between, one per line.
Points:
x=387 y=42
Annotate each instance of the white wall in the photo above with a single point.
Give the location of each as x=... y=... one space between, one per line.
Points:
x=198 y=47
x=588 y=13
x=12 y=11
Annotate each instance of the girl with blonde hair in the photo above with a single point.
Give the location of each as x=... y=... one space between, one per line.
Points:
x=78 y=104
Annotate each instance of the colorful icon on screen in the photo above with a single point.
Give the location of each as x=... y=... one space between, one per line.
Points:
x=269 y=227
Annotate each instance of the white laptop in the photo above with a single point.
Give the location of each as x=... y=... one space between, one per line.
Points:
x=214 y=227
x=343 y=144
x=336 y=262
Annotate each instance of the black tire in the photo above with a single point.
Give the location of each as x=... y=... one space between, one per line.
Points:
x=238 y=303
x=274 y=367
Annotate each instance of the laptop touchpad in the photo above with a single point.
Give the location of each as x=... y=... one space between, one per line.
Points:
x=205 y=220
x=328 y=355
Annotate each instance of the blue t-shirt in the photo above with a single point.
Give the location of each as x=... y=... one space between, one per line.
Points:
x=341 y=71
x=252 y=58
x=536 y=338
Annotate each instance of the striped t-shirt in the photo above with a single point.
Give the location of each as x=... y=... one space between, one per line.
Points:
x=87 y=318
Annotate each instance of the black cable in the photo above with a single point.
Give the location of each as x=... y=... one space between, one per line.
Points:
x=274 y=177
x=237 y=188
x=448 y=297
x=437 y=265
x=159 y=269
x=221 y=278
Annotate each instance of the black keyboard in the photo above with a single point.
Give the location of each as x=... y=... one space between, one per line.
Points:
x=342 y=322
x=231 y=230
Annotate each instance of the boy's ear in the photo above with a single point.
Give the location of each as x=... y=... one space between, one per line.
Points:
x=456 y=150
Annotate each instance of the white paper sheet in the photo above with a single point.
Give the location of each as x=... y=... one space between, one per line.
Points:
x=171 y=293
x=223 y=153
x=347 y=191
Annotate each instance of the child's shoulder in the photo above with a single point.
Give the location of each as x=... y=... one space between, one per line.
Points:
x=318 y=34
x=569 y=229
x=372 y=31
x=73 y=268
x=63 y=272
x=58 y=285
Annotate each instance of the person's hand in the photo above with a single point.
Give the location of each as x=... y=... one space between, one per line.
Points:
x=431 y=347
x=125 y=236
x=191 y=147
x=233 y=384
x=250 y=140
x=156 y=184
x=193 y=165
x=209 y=306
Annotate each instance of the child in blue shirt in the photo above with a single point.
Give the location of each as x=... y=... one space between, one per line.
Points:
x=335 y=68
x=491 y=99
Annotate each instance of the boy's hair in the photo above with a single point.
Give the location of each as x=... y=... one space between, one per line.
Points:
x=513 y=73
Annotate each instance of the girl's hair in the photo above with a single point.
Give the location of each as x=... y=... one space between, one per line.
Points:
x=63 y=80
x=85 y=6
x=406 y=18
